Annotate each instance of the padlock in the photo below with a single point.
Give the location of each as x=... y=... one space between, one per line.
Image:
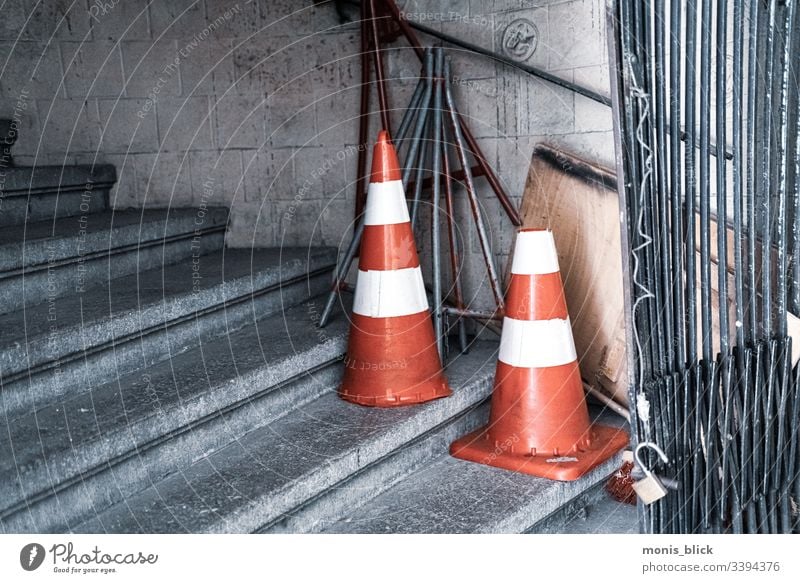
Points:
x=637 y=473
x=650 y=489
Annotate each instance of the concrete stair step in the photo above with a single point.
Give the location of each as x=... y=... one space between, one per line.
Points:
x=296 y=464
x=41 y=193
x=335 y=503
x=47 y=259
x=454 y=496
x=593 y=512
x=72 y=459
x=158 y=312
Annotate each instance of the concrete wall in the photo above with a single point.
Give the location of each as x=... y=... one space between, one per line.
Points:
x=511 y=112
x=254 y=104
x=194 y=101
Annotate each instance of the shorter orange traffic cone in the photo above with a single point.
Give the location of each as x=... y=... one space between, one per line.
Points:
x=391 y=358
x=539 y=422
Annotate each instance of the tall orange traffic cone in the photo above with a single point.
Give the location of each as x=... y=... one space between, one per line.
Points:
x=539 y=421
x=392 y=358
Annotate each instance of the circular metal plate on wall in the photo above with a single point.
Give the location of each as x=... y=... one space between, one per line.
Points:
x=519 y=39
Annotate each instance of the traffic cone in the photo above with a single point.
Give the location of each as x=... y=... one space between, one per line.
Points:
x=392 y=358
x=539 y=422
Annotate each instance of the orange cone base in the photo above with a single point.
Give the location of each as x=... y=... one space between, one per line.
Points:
x=477 y=447
x=435 y=389
x=392 y=362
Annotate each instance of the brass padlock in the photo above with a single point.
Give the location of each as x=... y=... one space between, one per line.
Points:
x=650 y=488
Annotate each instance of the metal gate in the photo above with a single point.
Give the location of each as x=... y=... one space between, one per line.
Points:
x=706 y=119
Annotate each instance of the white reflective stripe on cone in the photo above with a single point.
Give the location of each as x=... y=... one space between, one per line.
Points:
x=537 y=343
x=535 y=253
x=386 y=204
x=386 y=294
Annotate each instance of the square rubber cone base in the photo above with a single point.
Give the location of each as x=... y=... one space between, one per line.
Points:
x=396 y=400
x=475 y=447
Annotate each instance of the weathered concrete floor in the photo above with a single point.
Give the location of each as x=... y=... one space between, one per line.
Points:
x=115 y=308
x=455 y=496
x=605 y=516
x=274 y=469
x=78 y=433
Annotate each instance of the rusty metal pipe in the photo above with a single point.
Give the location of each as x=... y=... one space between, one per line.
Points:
x=491 y=177
x=383 y=98
x=455 y=259
x=363 y=126
x=436 y=266
x=494 y=281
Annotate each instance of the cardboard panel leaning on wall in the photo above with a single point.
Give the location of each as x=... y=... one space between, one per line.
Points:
x=578 y=201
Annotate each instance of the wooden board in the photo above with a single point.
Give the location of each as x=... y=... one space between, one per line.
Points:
x=579 y=202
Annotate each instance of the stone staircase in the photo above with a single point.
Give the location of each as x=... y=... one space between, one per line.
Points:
x=154 y=381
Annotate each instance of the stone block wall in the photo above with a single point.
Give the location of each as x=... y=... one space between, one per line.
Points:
x=510 y=112
x=195 y=101
x=253 y=104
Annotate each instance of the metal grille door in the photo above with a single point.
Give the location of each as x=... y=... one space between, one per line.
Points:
x=706 y=118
